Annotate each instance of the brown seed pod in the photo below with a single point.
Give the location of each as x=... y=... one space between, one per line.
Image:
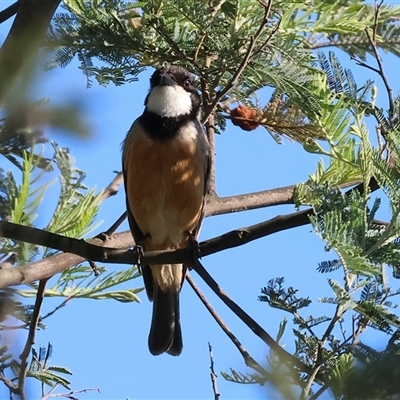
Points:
x=245 y=117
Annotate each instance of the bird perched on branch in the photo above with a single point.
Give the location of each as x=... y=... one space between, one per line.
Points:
x=165 y=165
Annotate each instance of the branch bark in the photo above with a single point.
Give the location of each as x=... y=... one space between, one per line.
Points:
x=57 y=263
x=216 y=205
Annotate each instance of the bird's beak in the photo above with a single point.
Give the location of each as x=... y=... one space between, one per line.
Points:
x=167 y=80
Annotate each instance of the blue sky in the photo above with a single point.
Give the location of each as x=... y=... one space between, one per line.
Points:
x=104 y=343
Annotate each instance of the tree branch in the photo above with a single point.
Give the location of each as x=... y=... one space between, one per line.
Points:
x=9 y=11
x=112 y=188
x=210 y=131
x=99 y=248
x=57 y=263
x=96 y=250
x=22 y=42
x=381 y=72
x=213 y=374
x=216 y=205
x=30 y=341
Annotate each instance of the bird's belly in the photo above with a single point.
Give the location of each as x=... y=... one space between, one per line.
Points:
x=165 y=190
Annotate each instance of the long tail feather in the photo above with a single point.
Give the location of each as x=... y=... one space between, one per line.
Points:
x=165 y=332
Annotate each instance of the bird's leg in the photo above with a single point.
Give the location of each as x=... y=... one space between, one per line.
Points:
x=193 y=245
x=138 y=251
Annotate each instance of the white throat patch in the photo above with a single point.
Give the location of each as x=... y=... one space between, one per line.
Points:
x=169 y=101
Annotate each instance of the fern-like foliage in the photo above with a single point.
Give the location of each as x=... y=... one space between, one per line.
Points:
x=41 y=369
x=79 y=282
x=285 y=299
x=77 y=206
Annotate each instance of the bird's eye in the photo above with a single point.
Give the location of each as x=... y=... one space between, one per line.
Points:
x=187 y=83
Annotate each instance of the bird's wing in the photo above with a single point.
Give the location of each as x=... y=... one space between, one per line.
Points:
x=207 y=168
x=137 y=234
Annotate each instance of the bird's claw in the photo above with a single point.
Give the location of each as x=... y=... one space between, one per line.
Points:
x=138 y=252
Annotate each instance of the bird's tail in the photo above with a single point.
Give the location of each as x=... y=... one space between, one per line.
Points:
x=165 y=332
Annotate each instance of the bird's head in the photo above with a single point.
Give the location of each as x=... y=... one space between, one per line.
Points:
x=172 y=93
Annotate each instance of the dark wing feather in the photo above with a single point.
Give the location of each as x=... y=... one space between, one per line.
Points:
x=205 y=190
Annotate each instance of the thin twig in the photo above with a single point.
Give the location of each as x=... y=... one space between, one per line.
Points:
x=363 y=64
x=30 y=341
x=210 y=131
x=23 y=326
x=68 y=395
x=248 y=359
x=112 y=188
x=213 y=374
x=382 y=74
x=9 y=384
x=94 y=268
x=196 y=53
x=214 y=9
x=61 y=305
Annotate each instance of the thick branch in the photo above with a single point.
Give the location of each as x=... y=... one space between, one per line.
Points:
x=222 y=205
x=57 y=263
x=96 y=250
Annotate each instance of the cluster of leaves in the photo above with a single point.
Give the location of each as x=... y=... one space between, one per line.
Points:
x=211 y=40
x=114 y=40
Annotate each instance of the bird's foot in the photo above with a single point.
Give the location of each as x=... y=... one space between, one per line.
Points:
x=138 y=253
x=194 y=249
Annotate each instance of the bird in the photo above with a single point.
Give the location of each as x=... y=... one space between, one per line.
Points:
x=165 y=158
